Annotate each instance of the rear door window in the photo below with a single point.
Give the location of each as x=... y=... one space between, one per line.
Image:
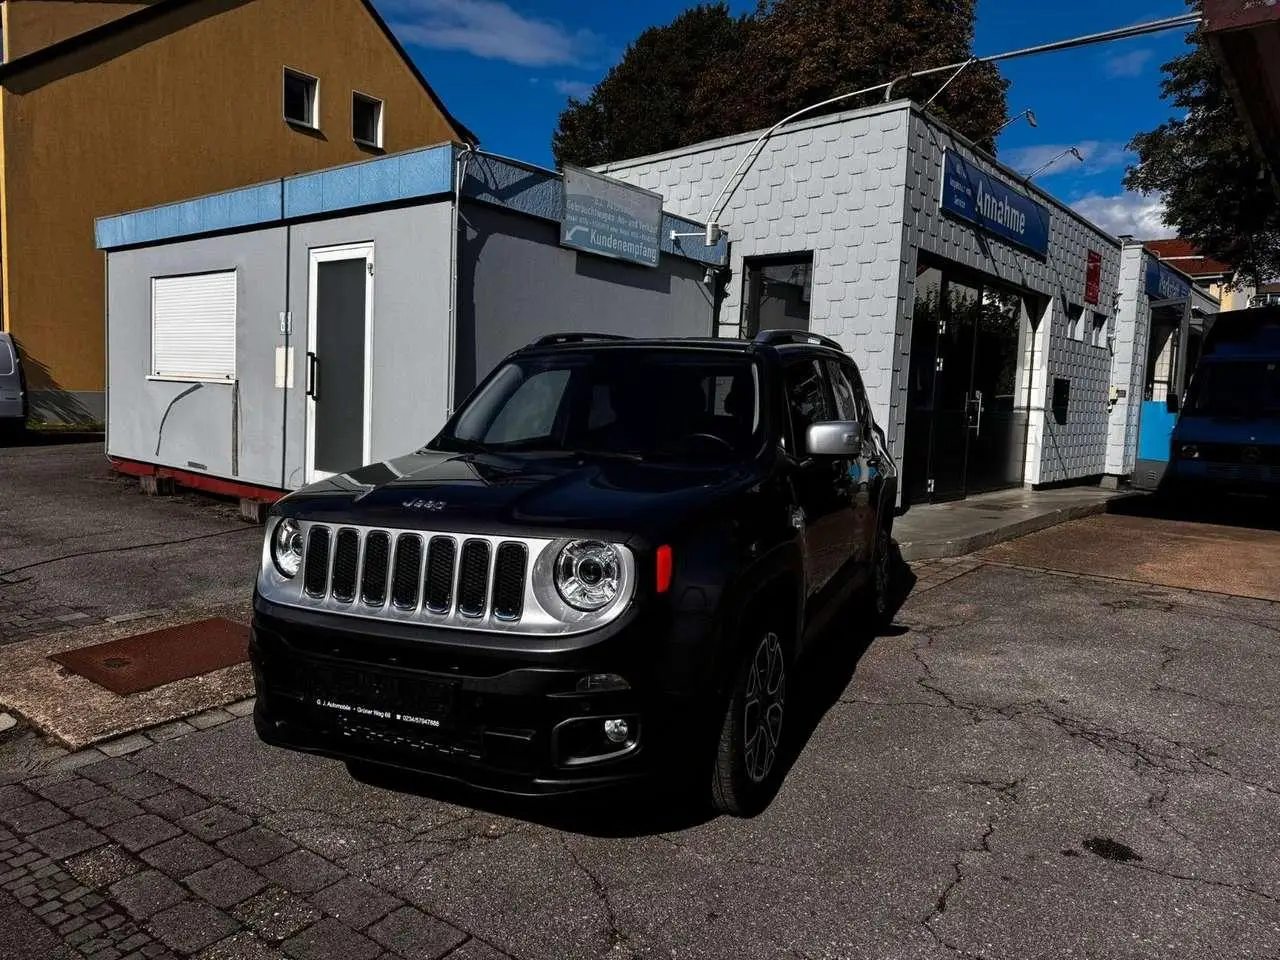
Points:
x=6 y=358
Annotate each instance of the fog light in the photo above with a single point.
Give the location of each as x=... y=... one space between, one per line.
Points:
x=602 y=682
x=617 y=731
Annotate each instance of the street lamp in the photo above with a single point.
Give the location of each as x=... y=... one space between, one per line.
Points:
x=1073 y=151
x=1031 y=120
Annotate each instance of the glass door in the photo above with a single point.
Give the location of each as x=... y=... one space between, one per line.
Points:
x=997 y=416
x=953 y=381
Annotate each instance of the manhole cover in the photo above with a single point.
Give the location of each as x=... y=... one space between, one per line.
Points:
x=148 y=660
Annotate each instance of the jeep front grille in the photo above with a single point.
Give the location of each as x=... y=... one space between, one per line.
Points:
x=461 y=581
x=482 y=582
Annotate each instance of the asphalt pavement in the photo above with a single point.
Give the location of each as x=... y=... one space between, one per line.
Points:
x=1030 y=764
x=80 y=542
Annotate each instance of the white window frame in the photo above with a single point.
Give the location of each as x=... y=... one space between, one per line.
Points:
x=363 y=250
x=179 y=376
x=382 y=110
x=315 y=100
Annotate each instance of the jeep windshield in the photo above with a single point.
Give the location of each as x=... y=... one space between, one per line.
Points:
x=650 y=404
x=1236 y=389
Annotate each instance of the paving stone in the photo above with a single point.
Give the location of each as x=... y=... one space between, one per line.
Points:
x=242 y=709
x=415 y=935
x=142 y=832
x=33 y=817
x=191 y=926
x=105 y=771
x=125 y=745
x=67 y=839
x=107 y=810
x=74 y=761
x=102 y=867
x=226 y=883
x=142 y=786
x=214 y=823
x=329 y=939
x=256 y=846
x=241 y=946
x=301 y=871
x=355 y=902
x=70 y=791
x=181 y=856
x=170 y=731
x=276 y=914
x=15 y=795
x=7 y=722
x=147 y=893
x=176 y=803
x=210 y=718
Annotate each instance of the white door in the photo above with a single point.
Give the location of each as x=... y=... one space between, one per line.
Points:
x=338 y=369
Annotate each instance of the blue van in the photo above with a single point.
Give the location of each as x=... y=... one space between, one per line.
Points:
x=1227 y=438
x=13 y=388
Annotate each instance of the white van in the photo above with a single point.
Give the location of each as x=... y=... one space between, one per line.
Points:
x=13 y=388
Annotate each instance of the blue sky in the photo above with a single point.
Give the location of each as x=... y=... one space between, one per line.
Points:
x=506 y=68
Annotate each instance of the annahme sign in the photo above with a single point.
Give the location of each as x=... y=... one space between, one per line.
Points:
x=970 y=194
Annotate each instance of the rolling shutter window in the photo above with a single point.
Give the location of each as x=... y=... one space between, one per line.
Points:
x=193 y=326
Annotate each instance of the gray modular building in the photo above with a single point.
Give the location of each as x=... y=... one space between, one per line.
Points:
x=1000 y=334
x=265 y=337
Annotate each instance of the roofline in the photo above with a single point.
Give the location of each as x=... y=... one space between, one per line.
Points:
x=160 y=8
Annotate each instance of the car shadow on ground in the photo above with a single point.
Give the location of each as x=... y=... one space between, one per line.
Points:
x=822 y=676
x=1261 y=513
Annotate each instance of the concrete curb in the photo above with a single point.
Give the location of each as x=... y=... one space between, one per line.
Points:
x=960 y=546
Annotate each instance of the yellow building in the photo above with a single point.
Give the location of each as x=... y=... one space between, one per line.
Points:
x=111 y=105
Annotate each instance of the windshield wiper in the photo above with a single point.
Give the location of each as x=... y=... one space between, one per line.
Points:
x=609 y=455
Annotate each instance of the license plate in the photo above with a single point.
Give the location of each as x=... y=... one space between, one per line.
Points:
x=423 y=702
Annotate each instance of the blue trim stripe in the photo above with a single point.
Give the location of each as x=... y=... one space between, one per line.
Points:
x=402 y=176
x=245 y=207
x=416 y=174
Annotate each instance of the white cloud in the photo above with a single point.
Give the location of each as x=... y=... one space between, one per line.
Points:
x=491 y=29
x=1099 y=155
x=578 y=89
x=1129 y=64
x=1127 y=213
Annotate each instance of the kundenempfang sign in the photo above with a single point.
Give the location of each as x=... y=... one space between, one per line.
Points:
x=610 y=218
x=972 y=195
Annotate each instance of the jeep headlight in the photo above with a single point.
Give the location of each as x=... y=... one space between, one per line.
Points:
x=588 y=574
x=286 y=548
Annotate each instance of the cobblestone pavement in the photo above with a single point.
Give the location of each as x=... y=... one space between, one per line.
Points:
x=1028 y=765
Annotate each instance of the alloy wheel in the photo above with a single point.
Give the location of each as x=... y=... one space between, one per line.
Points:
x=762 y=709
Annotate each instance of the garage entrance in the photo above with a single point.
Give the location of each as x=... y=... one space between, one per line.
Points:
x=967 y=418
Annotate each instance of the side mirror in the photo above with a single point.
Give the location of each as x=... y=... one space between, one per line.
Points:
x=1173 y=402
x=835 y=438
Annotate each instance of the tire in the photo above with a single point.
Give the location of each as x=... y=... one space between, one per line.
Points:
x=748 y=762
x=878 y=602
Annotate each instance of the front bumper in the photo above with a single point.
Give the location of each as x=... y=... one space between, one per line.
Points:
x=503 y=720
x=1199 y=478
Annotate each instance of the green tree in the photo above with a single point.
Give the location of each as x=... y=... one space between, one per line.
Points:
x=645 y=103
x=709 y=74
x=1215 y=185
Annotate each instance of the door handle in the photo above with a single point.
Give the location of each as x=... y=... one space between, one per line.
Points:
x=976 y=426
x=313 y=376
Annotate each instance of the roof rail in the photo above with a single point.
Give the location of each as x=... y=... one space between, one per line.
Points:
x=552 y=339
x=777 y=338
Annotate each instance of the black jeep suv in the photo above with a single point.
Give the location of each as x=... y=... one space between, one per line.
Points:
x=603 y=568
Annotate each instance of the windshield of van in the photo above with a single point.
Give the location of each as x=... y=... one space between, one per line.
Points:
x=650 y=404
x=1246 y=389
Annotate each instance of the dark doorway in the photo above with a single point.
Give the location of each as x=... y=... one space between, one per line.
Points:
x=777 y=293
x=966 y=428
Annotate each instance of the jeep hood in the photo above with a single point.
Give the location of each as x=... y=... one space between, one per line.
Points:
x=531 y=493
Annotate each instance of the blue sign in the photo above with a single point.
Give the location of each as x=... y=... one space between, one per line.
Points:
x=1165 y=283
x=610 y=218
x=997 y=208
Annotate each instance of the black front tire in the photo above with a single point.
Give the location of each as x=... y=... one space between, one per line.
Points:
x=749 y=764
x=879 y=590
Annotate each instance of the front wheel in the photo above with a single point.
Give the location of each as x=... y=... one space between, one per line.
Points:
x=879 y=602
x=749 y=764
